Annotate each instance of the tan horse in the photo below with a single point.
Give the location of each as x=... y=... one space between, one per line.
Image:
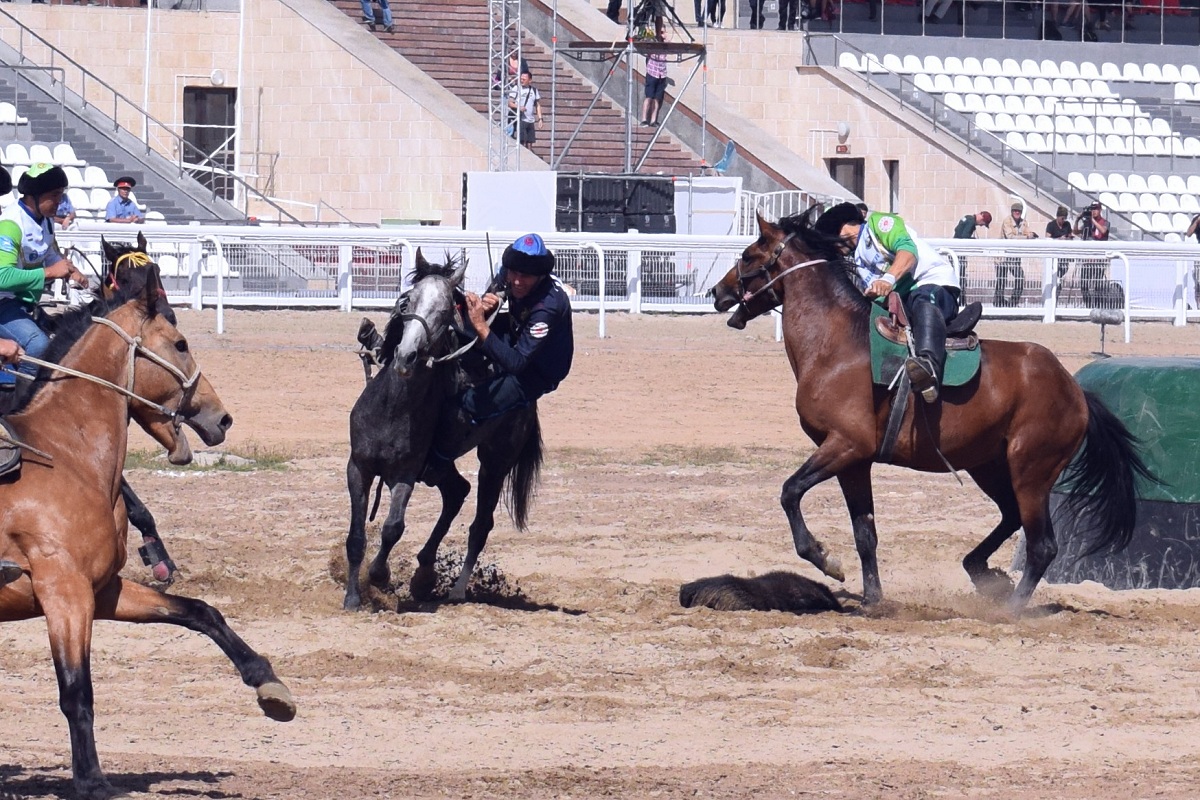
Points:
x=62 y=519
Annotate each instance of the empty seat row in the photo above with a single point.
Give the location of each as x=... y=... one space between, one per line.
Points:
x=1037 y=142
x=1188 y=92
x=1014 y=104
x=90 y=177
x=1119 y=182
x=1078 y=89
x=95 y=199
x=1045 y=123
x=1028 y=68
x=17 y=154
x=1149 y=202
x=1159 y=222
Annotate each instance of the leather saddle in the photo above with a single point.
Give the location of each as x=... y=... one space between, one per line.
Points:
x=960 y=331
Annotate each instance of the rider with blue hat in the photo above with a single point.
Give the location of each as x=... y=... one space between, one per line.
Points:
x=531 y=347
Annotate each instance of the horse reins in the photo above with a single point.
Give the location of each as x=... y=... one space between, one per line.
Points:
x=405 y=317
x=745 y=296
x=135 y=347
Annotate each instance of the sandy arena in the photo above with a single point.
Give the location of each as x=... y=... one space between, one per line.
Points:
x=666 y=449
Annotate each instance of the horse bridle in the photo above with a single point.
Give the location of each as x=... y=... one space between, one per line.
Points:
x=454 y=354
x=188 y=383
x=745 y=295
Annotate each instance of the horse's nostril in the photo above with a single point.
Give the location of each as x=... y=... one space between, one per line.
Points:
x=226 y=422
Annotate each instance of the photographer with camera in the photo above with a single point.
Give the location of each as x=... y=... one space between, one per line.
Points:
x=1093 y=279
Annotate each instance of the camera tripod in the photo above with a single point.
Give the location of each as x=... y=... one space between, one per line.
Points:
x=645 y=12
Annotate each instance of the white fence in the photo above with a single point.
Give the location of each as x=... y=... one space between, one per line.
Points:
x=348 y=268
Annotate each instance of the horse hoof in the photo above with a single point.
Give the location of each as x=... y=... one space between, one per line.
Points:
x=422 y=583
x=833 y=568
x=380 y=578
x=98 y=790
x=995 y=584
x=351 y=603
x=276 y=702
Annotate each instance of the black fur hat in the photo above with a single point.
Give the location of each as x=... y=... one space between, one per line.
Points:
x=5 y=181
x=528 y=255
x=830 y=223
x=41 y=178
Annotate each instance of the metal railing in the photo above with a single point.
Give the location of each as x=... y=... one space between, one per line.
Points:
x=351 y=267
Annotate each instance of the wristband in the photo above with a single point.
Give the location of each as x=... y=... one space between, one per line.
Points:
x=888 y=278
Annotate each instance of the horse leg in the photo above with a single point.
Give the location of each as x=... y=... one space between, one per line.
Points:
x=393 y=528
x=822 y=465
x=856 y=489
x=68 y=604
x=358 y=485
x=1040 y=544
x=491 y=482
x=124 y=601
x=153 y=548
x=454 y=488
x=995 y=481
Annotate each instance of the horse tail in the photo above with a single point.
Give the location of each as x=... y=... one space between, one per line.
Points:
x=1102 y=480
x=375 y=505
x=523 y=478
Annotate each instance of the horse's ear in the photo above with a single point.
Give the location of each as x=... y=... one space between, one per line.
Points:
x=110 y=253
x=141 y=241
x=764 y=226
x=460 y=272
x=422 y=266
x=152 y=292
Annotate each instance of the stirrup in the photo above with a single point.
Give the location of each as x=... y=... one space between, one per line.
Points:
x=924 y=380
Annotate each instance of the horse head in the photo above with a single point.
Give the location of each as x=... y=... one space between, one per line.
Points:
x=128 y=267
x=750 y=283
x=169 y=388
x=432 y=305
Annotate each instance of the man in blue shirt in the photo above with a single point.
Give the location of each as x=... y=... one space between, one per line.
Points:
x=532 y=350
x=121 y=208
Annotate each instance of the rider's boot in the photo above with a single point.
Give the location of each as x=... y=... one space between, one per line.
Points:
x=9 y=571
x=929 y=337
x=370 y=339
x=453 y=430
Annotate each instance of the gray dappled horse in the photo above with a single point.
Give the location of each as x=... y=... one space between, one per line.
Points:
x=392 y=427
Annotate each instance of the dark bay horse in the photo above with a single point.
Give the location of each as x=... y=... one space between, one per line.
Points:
x=1013 y=429
x=62 y=519
x=392 y=426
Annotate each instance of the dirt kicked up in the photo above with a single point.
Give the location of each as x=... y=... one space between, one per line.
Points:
x=666 y=449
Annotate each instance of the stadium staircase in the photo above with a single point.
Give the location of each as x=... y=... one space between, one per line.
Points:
x=158 y=185
x=448 y=40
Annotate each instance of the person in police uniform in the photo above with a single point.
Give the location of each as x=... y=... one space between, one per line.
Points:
x=532 y=352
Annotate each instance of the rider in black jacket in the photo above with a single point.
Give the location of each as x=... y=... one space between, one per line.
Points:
x=532 y=349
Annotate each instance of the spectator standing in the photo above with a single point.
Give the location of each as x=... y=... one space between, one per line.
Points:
x=1060 y=228
x=525 y=100
x=1013 y=228
x=965 y=229
x=121 y=208
x=716 y=12
x=656 y=79
x=1093 y=273
x=1194 y=228
x=369 y=14
x=756 y=15
x=515 y=67
x=614 y=11
x=789 y=14
x=64 y=216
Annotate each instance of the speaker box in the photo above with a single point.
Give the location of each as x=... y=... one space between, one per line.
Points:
x=650 y=223
x=655 y=195
x=603 y=196
x=566 y=221
x=603 y=223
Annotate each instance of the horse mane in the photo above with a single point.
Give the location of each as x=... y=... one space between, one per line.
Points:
x=394 y=330
x=71 y=326
x=840 y=266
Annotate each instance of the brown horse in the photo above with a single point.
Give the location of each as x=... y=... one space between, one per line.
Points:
x=1013 y=429
x=62 y=521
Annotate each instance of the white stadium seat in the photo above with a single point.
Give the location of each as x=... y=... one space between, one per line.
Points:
x=1142 y=220
x=991 y=66
x=1191 y=146
x=963 y=84
x=1132 y=72
x=1077 y=180
x=1043 y=123
x=155 y=218
x=953 y=65
x=1089 y=70
x=848 y=60
x=1160 y=127
x=1170 y=73
x=1077 y=144
x=933 y=64
x=1014 y=105
x=942 y=83
x=1023 y=123
x=1068 y=69
x=40 y=154
x=954 y=101
x=1122 y=126
x=1160 y=222
x=984 y=121
x=64 y=155
x=94 y=177
x=1110 y=200
x=1127 y=201
x=99 y=198
x=1049 y=69
x=1110 y=71
x=1011 y=68
x=1036 y=143
x=1151 y=73
x=1189 y=204
x=79 y=198
x=973 y=103
x=923 y=82
x=971 y=66
x=1189 y=72
x=993 y=104
x=74 y=176
x=1183 y=91
x=912 y=64
x=983 y=84
x=1015 y=140
x=1003 y=123
x=15 y=154
x=1168 y=202
x=1136 y=183
x=1096 y=182
x=1156 y=183
x=892 y=62
x=1148 y=201
x=1176 y=184
x=1172 y=238
x=1084 y=125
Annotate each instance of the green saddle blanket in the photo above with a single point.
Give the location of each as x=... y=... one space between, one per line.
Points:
x=887 y=357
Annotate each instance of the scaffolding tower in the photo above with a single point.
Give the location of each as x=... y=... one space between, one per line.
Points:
x=504 y=42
